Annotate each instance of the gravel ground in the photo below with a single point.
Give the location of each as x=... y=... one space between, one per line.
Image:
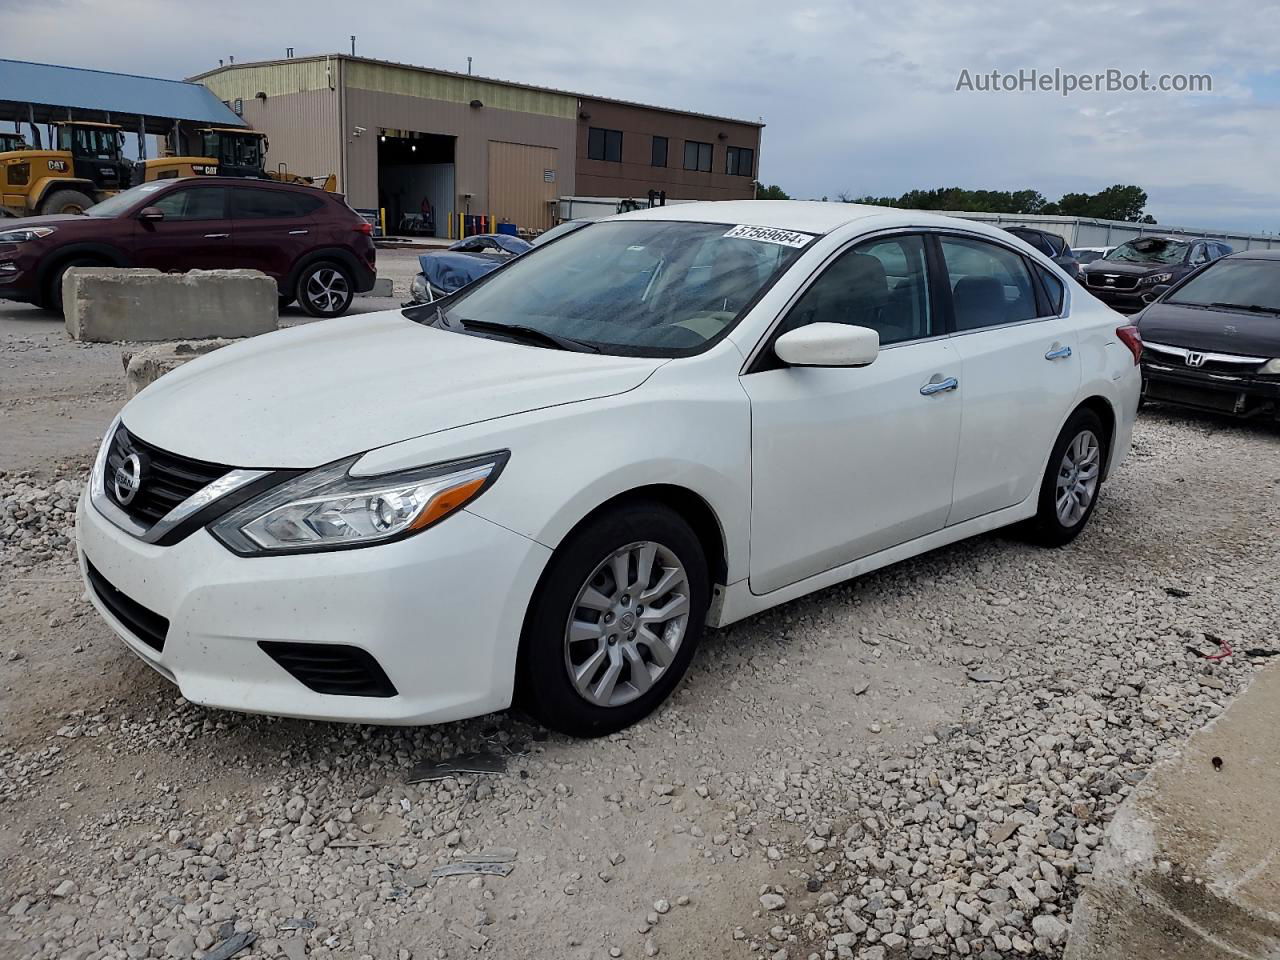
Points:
x=920 y=763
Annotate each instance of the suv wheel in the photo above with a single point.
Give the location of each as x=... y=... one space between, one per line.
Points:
x=615 y=621
x=325 y=289
x=53 y=292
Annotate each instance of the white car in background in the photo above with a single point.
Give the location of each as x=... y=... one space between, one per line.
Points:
x=544 y=486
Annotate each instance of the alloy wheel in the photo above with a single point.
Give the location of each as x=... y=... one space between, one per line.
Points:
x=627 y=624
x=1078 y=475
x=328 y=291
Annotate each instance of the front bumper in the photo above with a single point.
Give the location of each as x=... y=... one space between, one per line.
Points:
x=1122 y=301
x=1242 y=395
x=440 y=613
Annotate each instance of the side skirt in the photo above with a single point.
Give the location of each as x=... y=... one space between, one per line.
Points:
x=737 y=601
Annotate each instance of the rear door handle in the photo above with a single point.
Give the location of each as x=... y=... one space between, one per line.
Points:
x=216 y=236
x=1058 y=353
x=939 y=386
x=298 y=233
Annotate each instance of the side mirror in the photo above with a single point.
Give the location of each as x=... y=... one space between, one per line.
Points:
x=1155 y=293
x=828 y=345
x=151 y=213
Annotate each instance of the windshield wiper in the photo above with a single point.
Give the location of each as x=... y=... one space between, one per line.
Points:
x=520 y=332
x=1250 y=307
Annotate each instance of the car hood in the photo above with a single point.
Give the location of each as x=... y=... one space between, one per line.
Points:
x=319 y=392
x=1213 y=330
x=450 y=270
x=1120 y=268
x=52 y=220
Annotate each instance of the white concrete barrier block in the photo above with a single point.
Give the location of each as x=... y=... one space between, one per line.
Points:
x=149 y=364
x=108 y=304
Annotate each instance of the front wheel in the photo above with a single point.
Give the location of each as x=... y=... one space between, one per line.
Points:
x=1072 y=481
x=615 y=621
x=325 y=289
x=65 y=201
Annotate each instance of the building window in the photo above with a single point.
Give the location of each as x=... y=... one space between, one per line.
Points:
x=697 y=156
x=604 y=145
x=739 y=161
x=659 y=152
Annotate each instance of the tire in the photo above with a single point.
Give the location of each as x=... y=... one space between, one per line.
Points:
x=53 y=290
x=65 y=201
x=325 y=289
x=551 y=648
x=1078 y=460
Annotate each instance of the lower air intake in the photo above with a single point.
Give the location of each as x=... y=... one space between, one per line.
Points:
x=331 y=668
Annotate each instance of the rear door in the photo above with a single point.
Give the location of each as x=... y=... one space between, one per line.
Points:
x=195 y=233
x=1021 y=374
x=273 y=227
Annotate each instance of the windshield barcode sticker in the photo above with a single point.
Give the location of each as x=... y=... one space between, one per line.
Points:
x=787 y=238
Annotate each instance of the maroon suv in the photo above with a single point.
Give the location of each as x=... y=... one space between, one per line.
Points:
x=317 y=248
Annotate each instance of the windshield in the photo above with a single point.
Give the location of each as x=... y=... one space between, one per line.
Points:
x=114 y=206
x=638 y=287
x=1243 y=283
x=1150 y=250
x=559 y=230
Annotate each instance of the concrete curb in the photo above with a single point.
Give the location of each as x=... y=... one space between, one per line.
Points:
x=1190 y=866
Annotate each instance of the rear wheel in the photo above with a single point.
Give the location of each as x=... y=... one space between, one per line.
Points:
x=325 y=289
x=1072 y=481
x=65 y=201
x=615 y=621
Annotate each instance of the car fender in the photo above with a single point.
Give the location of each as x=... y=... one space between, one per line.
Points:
x=567 y=461
x=100 y=250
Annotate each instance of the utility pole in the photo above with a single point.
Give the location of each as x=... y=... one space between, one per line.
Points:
x=353 y=44
x=468 y=66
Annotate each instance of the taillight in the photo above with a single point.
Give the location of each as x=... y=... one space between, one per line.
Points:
x=365 y=227
x=1132 y=339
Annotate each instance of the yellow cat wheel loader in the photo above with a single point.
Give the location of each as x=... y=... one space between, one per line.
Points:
x=83 y=167
x=228 y=152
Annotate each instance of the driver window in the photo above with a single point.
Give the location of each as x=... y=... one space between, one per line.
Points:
x=195 y=203
x=882 y=284
x=1198 y=254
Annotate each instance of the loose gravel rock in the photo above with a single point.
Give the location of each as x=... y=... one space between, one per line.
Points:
x=757 y=815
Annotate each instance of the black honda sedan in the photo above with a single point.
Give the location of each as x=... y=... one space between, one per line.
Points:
x=1213 y=340
x=1124 y=278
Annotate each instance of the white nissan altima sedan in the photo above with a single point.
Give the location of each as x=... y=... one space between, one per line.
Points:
x=543 y=487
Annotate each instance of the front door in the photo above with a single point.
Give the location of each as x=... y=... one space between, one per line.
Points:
x=845 y=461
x=195 y=233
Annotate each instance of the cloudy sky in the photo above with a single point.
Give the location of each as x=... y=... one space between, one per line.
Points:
x=858 y=97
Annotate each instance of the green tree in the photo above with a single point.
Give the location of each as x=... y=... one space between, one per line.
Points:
x=1118 y=202
x=771 y=192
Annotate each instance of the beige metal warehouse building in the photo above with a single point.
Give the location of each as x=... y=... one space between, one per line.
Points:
x=413 y=140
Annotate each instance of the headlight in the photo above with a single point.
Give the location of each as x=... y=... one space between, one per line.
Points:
x=1272 y=367
x=327 y=509
x=1156 y=278
x=420 y=290
x=24 y=234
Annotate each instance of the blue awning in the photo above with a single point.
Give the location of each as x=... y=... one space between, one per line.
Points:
x=96 y=95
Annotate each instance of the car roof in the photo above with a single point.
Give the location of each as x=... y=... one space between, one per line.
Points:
x=807 y=216
x=244 y=181
x=1254 y=255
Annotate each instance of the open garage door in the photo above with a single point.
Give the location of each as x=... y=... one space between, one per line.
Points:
x=523 y=184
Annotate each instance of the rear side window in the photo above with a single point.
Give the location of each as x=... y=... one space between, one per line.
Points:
x=1054 y=290
x=248 y=203
x=194 y=203
x=990 y=285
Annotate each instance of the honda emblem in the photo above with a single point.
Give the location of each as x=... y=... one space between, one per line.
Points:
x=1195 y=359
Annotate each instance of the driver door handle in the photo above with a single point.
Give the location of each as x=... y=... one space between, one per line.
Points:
x=216 y=236
x=939 y=386
x=1058 y=353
